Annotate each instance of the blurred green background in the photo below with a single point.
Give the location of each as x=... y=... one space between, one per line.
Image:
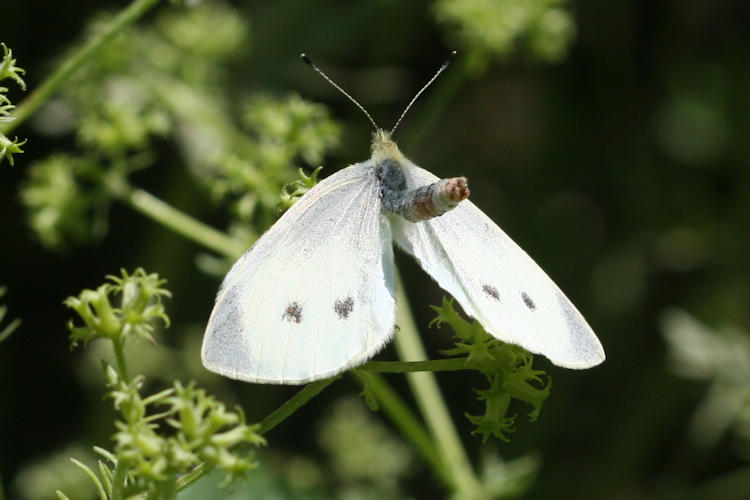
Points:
x=609 y=139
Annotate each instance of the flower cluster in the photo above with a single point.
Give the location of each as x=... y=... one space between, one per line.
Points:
x=164 y=438
x=67 y=200
x=145 y=461
x=8 y=69
x=542 y=29
x=507 y=368
x=282 y=131
x=204 y=432
x=139 y=304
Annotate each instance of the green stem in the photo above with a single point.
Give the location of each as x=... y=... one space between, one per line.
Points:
x=153 y=207
x=431 y=403
x=432 y=365
x=118 y=482
x=198 y=472
x=122 y=366
x=44 y=91
x=290 y=406
x=407 y=423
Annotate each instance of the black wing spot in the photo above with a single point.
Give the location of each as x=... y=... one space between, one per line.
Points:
x=293 y=313
x=343 y=307
x=491 y=291
x=527 y=300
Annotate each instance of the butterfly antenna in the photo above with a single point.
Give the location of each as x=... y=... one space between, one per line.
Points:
x=434 y=77
x=304 y=57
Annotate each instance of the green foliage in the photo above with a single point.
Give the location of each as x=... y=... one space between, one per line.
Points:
x=124 y=120
x=507 y=368
x=148 y=462
x=8 y=147
x=720 y=357
x=541 y=29
x=8 y=69
x=189 y=30
x=296 y=189
x=164 y=82
x=68 y=197
x=154 y=449
x=281 y=131
x=291 y=127
x=203 y=432
x=139 y=296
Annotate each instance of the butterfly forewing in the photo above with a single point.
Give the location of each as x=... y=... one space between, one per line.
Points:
x=496 y=282
x=314 y=295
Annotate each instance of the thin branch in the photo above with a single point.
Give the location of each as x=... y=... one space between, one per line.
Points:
x=290 y=406
x=44 y=91
x=161 y=212
x=408 y=424
x=431 y=403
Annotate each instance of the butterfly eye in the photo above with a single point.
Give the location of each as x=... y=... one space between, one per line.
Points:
x=527 y=300
x=491 y=291
x=293 y=313
x=343 y=307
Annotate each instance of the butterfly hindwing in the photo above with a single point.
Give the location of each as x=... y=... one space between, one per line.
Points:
x=314 y=295
x=496 y=282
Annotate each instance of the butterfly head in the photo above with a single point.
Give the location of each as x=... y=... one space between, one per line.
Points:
x=383 y=147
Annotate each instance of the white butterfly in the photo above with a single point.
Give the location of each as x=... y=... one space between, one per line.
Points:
x=314 y=296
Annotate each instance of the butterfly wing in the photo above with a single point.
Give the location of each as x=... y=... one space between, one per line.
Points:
x=314 y=295
x=496 y=282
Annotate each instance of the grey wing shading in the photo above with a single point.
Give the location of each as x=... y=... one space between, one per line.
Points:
x=314 y=295
x=496 y=282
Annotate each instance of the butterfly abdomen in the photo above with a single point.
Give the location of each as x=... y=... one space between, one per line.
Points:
x=421 y=203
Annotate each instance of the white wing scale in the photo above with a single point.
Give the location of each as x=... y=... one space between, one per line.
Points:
x=496 y=282
x=314 y=295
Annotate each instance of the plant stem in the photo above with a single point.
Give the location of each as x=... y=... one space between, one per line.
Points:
x=44 y=91
x=407 y=423
x=432 y=365
x=183 y=224
x=118 y=482
x=431 y=403
x=119 y=347
x=198 y=472
x=290 y=406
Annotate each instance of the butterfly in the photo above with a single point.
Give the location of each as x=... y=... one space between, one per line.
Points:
x=314 y=296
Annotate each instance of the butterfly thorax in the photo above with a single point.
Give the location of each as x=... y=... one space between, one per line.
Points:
x=413 y=203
